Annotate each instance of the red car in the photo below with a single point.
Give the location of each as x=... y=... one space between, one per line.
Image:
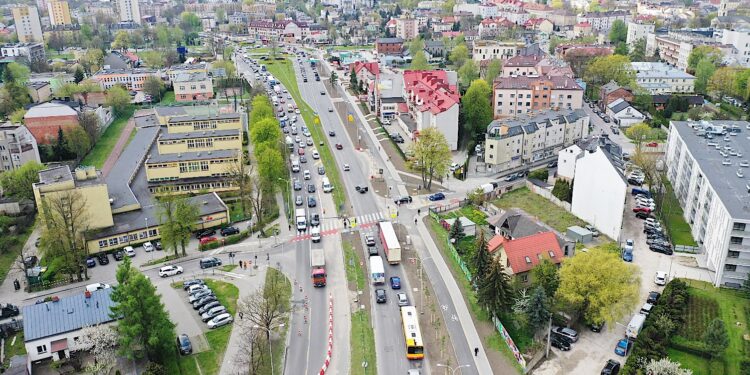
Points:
x=652 y=144
x=206 y=240
x=642 y=209
x=301 y=151
x=339 y=146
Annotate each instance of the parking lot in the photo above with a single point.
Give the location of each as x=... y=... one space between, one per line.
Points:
x=592 y=350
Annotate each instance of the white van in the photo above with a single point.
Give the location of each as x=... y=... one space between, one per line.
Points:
x=295 y=165
x=306 y=174
x=315 y=234
x=327 y=187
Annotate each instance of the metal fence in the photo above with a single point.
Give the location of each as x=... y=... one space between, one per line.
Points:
x=687 y=249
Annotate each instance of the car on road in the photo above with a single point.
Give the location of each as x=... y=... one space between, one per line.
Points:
x=660 y=278
x=560 y=343
x=300 y=151
x=309 y=141
x=566 y=332
x=552 y=164
x=331 y=133
x=395 y=282
x=653 y=297
x=322 y=92
x=403 y=300
x=205 y=233
x=90 y=262
x=623 y=347
x=298 y=200
x=187 y=284
x=612 y=367
x=210 y=314
x=339 y=146
x=210 y=262
x=315 y=155
x=315 y=220
x=297 y=185
x=184 y=345
x=311 y=202
x=208 y=306
x=321 y=170
x=310 y=188
x=380 y=296
x=228 y=231
x=361 y=189
x=220 y=320
x=403 y=200
x=346 y=167
x=103 y=259
x=170 y=271
x=118 y=255
x=436 y=197
x=372 y=251
x=207 y=240
x=330 y=109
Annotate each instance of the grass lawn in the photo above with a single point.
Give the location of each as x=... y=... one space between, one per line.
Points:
x=702 y=309
x=354 y=272
x=228 y=267
x=10 y=255
x=168 y=98
x=284 y=72
x=99 y=154
x=540 y=208
x=362 y=343
x=698 y=364
x=470 y=212
x=16 y=349
x=351 y=48
x=671 y=214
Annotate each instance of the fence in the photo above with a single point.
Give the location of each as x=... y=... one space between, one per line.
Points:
x=687 y=249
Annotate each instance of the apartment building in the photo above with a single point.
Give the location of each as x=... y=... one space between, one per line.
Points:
x=267 y=29
x=433 y=99
x=675 y=47
x=17 y=146
x=28 y=26
x=406 y=28
x=389 y=46
x=192 y=86
x=175 y=70
x=535 y=64
x=59 y=12
x=30 y=51
x=132 y=79
x=707 y=164
x=740 y=39
x=602 y=21
x=128 y=10
x=638 y=30
x=660 y=78
x=45 y=120
x=492 y=49
x=516 y=95
x=525 y=139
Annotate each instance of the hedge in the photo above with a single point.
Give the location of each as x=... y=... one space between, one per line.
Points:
x=228 y=240
x=693 y=347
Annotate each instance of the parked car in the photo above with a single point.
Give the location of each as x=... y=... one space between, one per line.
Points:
x=208 y=306
x=228 y=231
x=643 y=215
x=183 y=343
x=436 y=197
x=653 y=297
x=567 y=332
x=197 y=296
x=220 y=320
x=148 y=247
x=623 y=347
x=642 y=209
x=158 y=245
x=204 y=301
x=395 y=282
x=646 y=308
x=118 y=255
x=660 y=278
x=205 y=233
x=170 y=271
x=102 y=258
x=213 y=312
x=90 y=262
x=661 y=249
x=380 y=295
x=594 y=232
x=596 y=327
x=612 y=367
x=559 y=342
x=187 y=284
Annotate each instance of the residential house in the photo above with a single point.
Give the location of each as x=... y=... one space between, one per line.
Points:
x=433 y=100
x=39 y=91
x=535 y=64
x=611 y=91
x=491 y=50
x=591 y=50
x=514 y=224
x=17 y=146
x=713 y=192
x=53 y=329
x=582 y=29
x=132 y=79
x=366 y=72
x=406 y=28
x=539 y=24
x=675 y=47
x=660 y=78
x=623 y=114
x=563 y=18
x=515 y=95
x=483 y=10
x=660 y=101
x=387 y=98
x=435 y=49
x=175 y=70
x=492 y=27
x=389 y=46
x=519 y=256
x=192 y=86
x=599 y=186
x=526 y=139
x=45 y=120
x=268 y=30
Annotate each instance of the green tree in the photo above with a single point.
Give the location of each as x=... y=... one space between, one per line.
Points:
x=143 y=320
x=353 y=82
x=607 y=68
x=699 y=53
x=89 y=121
x=494 y=68
x=481 y=262
x=621 y=49
x=416 y=46
x=92 y=60
x=716 y=337
x=261 y=109
x=546 y=275
x=170 y=227
x=494 y=292
x=266 y=131
x=599 y=285
x=154 y=86
x=119 y=99
x=457 y=230
x=638 y=50
x=468 y=73
x=16 y=95
x=476 y=108
x=189 y=215
x=221 y=15
x=18 y=183
x=17 y=116
x=77 y=142
x=122 y=40
x=722 y=82
x=538 y=308
x=78 y=76
x=270 y=166
x=189 y=22
x=563 y=190
x=227 y=65
x=618 y=33
x=704 y=70
x=639 y=133
x=432 y=154
x=419 y=62
x=459 y=55
x=153 y=59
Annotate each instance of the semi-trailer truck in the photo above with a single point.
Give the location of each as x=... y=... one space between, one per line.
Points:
x=318 y=267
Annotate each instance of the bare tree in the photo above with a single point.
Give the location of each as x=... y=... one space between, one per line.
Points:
x=101 y=342
x=250 y=354
x=90 y=123
x=266 y=307
x=66 y=219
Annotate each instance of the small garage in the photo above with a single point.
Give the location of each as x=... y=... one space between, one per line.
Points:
x=579 y=234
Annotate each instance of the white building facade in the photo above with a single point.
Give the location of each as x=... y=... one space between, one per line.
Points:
x=740 y=39
x=638 y=31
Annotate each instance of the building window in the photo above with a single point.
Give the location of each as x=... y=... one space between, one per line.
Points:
x=113 y=242
x=730 y=267
x=739 y=226
x=524 y=277
x=733 y=254
x=41 y=349
x=102 y=243
x=735 y=240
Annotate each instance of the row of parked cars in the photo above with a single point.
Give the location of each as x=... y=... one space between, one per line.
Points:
x=103 y=258
x=205 y=302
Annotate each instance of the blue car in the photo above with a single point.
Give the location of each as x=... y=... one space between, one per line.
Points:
x=623 y=347
x=90 y=262
x=436 y=197
x=395 y=282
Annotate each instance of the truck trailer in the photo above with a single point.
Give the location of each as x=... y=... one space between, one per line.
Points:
x=318 y=267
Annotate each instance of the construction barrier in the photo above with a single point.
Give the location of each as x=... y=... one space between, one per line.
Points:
x=330 y=336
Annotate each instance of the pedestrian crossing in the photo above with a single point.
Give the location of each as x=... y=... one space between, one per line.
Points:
x=332 y=226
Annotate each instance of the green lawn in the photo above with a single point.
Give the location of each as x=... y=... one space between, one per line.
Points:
x=698 y=364
x=218 y=339
x=362 y=344
x=284 y=72
x=168 y=98
x=99 y=154
x=228 y=267
x=540 y=208
x=470 y=212
x=672 y=216
x=351 y=48
x=8 y=257
x=18 y=348
x=354 y=273
x=702 y=309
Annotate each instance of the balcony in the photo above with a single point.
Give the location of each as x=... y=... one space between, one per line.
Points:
x=740 y=233
x=739 y=247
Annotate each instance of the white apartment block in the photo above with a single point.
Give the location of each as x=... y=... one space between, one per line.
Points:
x=638 y=31
x=674 y=52
x=602 y=21
x=525 y=139
x=707 y=164
x=128 y=10
x=491 y=50
x=660 y=78
x=477 y=9
x=28 y=26
x=740 y=39
x=17 y=147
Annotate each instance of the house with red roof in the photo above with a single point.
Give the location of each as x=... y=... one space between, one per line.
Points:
x=433 y=100
x=519 y=256
x=582 y=29
x=490 y=27
x=539 y=24
x=366 y=72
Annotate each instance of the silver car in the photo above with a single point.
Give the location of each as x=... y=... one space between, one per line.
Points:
x=215 y=311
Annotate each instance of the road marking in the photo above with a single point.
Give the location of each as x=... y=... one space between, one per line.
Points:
x=237 y=275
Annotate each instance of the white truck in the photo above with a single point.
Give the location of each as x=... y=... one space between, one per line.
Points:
x=635 y=326
x=300 y=219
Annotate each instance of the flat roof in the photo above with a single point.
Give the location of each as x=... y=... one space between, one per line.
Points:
x=220 y=116
x=199 y=134
x=120 y=179
x=68 y=314
x=193 y=155
x=731 y=189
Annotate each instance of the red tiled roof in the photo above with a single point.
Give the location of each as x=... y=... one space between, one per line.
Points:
x=371 y=67
x=431 y=89
x=403 y=108
x=583 y=24
x=495 y=243
x=526 y=252
x=535 y=6
x=523 y=61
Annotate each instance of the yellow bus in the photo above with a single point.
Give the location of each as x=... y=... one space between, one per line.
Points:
x=412 y=335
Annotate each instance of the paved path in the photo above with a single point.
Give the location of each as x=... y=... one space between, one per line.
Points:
x=119 y=146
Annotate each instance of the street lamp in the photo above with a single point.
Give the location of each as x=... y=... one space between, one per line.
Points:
x=421 y=285
x=270 y=351
x=453 y=370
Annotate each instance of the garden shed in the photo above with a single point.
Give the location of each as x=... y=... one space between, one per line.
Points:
x=470 y=228
x=579 y=234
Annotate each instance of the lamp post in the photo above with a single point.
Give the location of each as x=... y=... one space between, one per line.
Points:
x=270 y=351
x=453 y=369
x=421 y=285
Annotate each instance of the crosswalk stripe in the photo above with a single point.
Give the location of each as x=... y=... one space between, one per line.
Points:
x=237 y=275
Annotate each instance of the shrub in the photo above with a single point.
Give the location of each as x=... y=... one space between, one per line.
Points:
x=745 y=367
x=540 y=174
x=153 y=368
x=693 y=347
